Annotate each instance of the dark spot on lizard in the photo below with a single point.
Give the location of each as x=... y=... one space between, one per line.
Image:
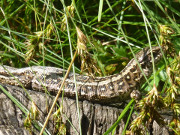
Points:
x=133 y=69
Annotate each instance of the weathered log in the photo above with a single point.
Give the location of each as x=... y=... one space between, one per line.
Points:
x=95 y=118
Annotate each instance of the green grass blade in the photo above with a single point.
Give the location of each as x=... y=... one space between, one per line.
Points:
x=120 y=117
x=100 y=10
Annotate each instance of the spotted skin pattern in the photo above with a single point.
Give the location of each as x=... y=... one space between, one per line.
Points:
x=109 y=89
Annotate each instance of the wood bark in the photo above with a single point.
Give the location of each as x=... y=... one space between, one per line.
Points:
x=95 y=118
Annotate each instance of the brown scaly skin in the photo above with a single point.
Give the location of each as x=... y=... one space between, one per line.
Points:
x=109 y=89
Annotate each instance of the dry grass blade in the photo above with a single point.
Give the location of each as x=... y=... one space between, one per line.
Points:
x=58 y=94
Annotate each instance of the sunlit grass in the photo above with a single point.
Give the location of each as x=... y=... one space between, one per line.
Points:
x=44 y=33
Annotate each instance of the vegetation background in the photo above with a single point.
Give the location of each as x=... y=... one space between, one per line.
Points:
x=45 y=33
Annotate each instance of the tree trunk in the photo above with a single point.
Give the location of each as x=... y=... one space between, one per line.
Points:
x=95 y=118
